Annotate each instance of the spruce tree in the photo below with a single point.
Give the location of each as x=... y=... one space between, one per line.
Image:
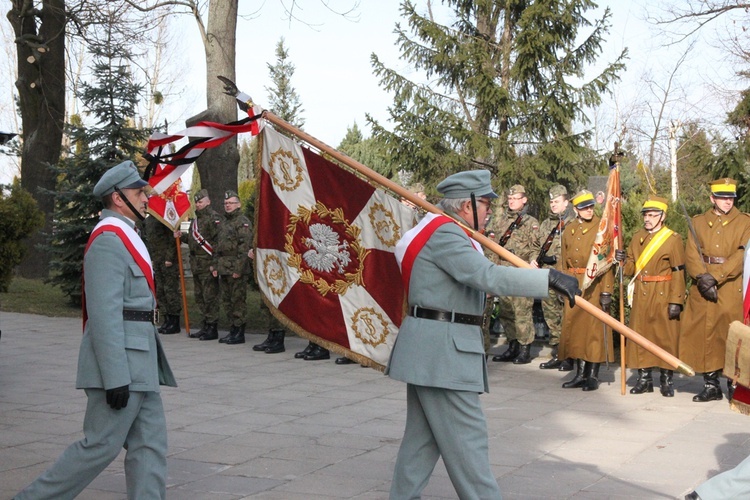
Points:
x=505 y=91
x=283 y=98
x=108 y=138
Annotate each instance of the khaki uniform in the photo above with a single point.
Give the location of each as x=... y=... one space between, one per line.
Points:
x=161 y=245
x=234 y=241
x=652 y=296
x=582 y=334
x=705 y=324
x=516 y=312
x=205 y=285
x=552 y=306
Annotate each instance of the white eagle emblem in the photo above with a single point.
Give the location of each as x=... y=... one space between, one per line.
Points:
x=325 y=250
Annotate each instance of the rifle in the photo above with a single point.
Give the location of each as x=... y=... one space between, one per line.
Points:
x=550 y=239
x=510 y=230
x=695 y=235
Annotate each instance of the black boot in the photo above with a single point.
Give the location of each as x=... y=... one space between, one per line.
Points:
x=591 y=374
x=239 y=337
x=232 y=332
x=553 y=363
x=173 y=324
x=318 y=353
x=196 y=335
x=578 y=380
x=711 y=390
x=665 y=382
x=730 y=389
x=524 y=355
x=212 y=332
x=513 y=349
x=166 y=322
x=277 y=342
x=344 y=361
x=305 y=352
x=262 y=346
x=566 y=365
x=645 y=382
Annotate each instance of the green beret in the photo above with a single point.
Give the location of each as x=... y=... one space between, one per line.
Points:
x=230 y=194
x=122 y=176
x=517 y=189
x=463 y=184
x=200 y=195
x=558 y=190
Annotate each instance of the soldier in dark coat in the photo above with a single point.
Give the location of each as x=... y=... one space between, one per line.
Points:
x=656 y=260
x=161 y=245
x=583 y=336
x=202 y=237
x=234 y=242
x=715 y=299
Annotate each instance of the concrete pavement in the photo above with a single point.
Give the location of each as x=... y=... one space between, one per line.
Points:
x=245 y=424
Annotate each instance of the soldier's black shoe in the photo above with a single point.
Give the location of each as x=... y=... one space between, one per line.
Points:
x=665 y=382
x=551 y=364
x=692 y=496
x=212 y=332
x=262 y=346
x=209 y=336
x=173 y=324
x=204 y=329
x=305 y=352
x=232 y=332
x=239 y=337
x=566 y=365
x=509 y=355
x=277 y=342
x=645 y=382
x=318 y=353
x=343 y=361
x=591 y=376
x=578 y=379
x=730 y=389
x=709 y=393
x=524 y=355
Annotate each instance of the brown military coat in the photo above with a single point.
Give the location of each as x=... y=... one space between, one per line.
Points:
x=582 y=334
x=649 y=315
x=705 y=324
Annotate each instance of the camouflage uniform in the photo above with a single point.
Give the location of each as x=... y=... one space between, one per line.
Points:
x=204 y=231
x=516 y=312
x=162 y=247
x=234 y=241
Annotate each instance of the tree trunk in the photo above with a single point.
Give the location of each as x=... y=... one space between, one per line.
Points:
x=218 y=166
x=41 y=92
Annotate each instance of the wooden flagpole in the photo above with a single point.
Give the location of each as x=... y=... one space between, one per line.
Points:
x=623 y=374
x=485 y=241
x=182 y=286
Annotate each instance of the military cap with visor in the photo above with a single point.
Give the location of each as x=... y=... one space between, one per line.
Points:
x=724 y=188
x=583 y=199
x=122 y=176
x=655 y=203
x=463 y=184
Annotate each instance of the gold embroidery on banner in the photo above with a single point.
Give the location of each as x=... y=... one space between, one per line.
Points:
x=333 y=217
x=386 y=228
x=369 y=326
x=285 y=170
x=273 y=271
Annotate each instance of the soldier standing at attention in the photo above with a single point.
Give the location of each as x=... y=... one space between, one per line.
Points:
x=550 y=236
x=234 y=242
x=202 y=239
x=163 y=249
x=715 y=298
x=583 y=336
x=656 y=260
x=517 y=232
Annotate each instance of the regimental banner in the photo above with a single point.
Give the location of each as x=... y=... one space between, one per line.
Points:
x=171 y=207
x=324 y=258
x=608 y=235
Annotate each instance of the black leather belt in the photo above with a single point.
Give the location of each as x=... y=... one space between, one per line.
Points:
x=449 y=317
x=149 y=316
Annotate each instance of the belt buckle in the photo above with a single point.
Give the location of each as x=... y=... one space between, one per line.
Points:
x=155 y=317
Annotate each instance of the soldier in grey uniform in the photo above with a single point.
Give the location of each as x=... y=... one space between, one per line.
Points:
x=234 y=242
x=162 y=247
x=439 y=350
x=550 y=230
x=201 y=238
x=121 y=363
x=517 y=232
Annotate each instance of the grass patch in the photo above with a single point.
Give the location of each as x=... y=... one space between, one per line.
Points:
x=32 y=296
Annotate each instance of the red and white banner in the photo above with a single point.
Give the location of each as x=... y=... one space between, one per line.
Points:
x=171 y=207
x=608 y=235
x=325 y=242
